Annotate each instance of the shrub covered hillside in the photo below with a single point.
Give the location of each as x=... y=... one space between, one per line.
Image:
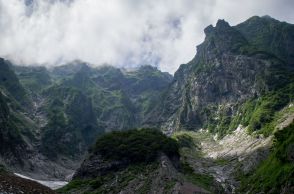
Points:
x=134 y=146
x=137 y=161
x=275 y=174
x=134 y=161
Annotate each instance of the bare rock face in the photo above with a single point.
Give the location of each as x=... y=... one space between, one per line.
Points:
x=95 y=166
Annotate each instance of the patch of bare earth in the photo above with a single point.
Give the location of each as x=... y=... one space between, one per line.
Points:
x=11 y=184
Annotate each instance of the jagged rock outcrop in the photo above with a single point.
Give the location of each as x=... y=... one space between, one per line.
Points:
x=240 y=75
x=230 y=67
x=95 y=166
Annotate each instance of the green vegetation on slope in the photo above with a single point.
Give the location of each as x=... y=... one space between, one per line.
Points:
x=276 y=173
x=269 y=35
x=71 y=121
x=204 y=180
x=76 y=102
x=191 y=154
x=141 y=148
x=141 y=145
x=11 y=140
x=10 y=84
x=261 y=114
x=2 y=169
x=34 y=79
x=147 y=170
x=114 y=182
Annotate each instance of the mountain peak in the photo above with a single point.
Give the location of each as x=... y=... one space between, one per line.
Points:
x=209 y=29
x=221 y=38
x=85 y=68
x=260 y=20
x=147 y=68
x=267 y=17
x=221 y=23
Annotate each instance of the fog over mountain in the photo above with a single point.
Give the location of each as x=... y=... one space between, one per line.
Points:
x=86 y=104
x=123 y=33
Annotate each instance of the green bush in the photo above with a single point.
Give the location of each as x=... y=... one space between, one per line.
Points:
x=141 y=145
x=2 y=169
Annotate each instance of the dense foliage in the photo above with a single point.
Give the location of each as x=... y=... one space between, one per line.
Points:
x=10 y=83
x=260 y=114
x=141 y=145
x=34 y=79
x=269 y=35
x=2 y=169
x=277 y=171
x=88 y=101
x=12 y=130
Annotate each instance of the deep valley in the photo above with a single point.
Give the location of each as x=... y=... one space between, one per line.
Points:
x=223 y=123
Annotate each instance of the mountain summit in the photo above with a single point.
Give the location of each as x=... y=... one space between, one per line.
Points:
x=222 y=124
x=233 y=65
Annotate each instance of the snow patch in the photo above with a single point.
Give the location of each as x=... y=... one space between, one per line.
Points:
x=51 y=184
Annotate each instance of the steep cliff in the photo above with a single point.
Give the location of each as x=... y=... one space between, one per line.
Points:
x=50 y=117
x=232 y=65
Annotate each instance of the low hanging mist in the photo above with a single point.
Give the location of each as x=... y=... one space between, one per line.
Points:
x=122 y=33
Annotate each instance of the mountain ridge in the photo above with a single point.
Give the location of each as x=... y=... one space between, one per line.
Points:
x=239 y=88
x=70 y=107
x=225 y=55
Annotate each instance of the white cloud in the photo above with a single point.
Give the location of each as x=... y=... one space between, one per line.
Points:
x=119 y=32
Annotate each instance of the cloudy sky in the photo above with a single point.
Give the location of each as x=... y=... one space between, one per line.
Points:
x=125 y=33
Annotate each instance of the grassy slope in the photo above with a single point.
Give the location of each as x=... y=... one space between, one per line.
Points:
x=273 y=174
x=276 y=173
x=259 y=114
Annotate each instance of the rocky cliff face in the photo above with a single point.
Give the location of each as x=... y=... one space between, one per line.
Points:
x=91 y=101
x=16 y=128
x=269 y=35
x=230 y=67
x=12 y=144
x=240 y=75
x=57 y=114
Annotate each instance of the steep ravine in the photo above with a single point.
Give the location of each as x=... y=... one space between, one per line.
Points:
x=228 y=108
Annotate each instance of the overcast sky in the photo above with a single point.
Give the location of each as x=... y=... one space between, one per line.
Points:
x=125 y=33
